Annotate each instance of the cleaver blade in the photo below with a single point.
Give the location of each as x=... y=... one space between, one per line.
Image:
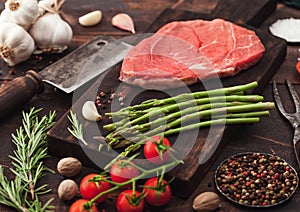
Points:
x=67 y=74
x=84 y=64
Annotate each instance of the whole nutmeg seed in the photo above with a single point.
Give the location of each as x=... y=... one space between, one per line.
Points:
x=206 y=201
x=67 y=190
x=69 y=166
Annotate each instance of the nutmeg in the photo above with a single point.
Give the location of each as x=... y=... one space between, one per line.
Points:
x=67 y=189
x=69 y=166
x=206 y=201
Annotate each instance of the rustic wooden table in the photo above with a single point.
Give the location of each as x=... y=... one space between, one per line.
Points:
x=271 y=135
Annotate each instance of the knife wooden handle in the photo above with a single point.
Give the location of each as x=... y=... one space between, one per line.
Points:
x=19 y=91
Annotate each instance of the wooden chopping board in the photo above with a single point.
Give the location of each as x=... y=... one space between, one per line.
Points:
x=188 y=175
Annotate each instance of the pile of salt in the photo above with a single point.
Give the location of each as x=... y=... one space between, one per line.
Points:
x=288 y=29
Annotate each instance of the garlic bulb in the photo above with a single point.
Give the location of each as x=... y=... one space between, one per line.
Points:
x=51 y=33
x=16 y=45
x=90 y=112
x=52 y=6
x=21 y=12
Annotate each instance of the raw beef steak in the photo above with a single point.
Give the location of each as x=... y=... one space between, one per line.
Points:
x=182 y=53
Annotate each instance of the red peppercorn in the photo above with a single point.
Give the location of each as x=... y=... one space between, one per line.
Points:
x=298 y=66
x=256 y=179
x=98 y=102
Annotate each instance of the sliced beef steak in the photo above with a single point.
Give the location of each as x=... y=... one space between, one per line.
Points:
x=182 y=53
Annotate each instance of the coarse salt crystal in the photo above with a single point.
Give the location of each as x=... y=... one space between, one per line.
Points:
x=288 y=29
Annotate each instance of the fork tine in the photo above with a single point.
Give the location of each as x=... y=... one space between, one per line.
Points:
x=277 y=99
x=294 y=96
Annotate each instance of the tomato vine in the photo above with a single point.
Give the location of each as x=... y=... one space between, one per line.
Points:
x=133 y=196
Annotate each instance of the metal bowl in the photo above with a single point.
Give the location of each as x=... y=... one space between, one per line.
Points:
x=238 y=179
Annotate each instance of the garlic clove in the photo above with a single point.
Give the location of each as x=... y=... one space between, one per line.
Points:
x=90 y=112
x=90 y=19
x=123 y=21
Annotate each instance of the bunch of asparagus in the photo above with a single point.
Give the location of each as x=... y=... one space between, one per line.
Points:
x=133 y=125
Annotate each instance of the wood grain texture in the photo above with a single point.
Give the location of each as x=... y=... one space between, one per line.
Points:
x=188 y=175
x=142 y=12
x=271 y=135
x=250 y=12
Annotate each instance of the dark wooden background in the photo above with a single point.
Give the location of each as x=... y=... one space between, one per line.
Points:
x=271 y=135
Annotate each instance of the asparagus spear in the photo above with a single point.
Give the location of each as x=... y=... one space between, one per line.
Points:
x=116 y=139
x=189 y=96
x=174 y=107
x=159 y=124
x=176 y=114
x=141 y=139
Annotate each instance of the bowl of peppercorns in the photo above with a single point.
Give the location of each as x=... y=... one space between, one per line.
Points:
x=256 y=179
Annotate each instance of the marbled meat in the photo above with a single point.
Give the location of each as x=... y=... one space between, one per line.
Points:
x=185 y=52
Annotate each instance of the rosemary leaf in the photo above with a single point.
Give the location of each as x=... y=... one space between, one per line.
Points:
x=37 y=206
x=11 y=192
x=28 y=167
x=76 y=129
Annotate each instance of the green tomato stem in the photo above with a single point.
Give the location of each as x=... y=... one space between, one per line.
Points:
x=133 y=180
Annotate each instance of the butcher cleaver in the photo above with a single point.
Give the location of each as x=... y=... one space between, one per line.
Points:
x=67 y=74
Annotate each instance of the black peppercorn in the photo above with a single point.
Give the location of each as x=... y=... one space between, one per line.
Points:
x=256 y=179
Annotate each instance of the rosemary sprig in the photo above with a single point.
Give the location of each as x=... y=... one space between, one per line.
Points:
x=76 y=129
x=22 y=193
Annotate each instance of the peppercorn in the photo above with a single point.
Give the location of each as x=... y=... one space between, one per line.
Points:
x=102 y=94
x=112 y=96
x=256 y=179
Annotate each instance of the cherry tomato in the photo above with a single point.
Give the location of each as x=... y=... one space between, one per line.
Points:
x=128 y=202
x=153 y=147
x=122 y=171
x=298 y=66
x=91 y=186
x=78 y=206
x=157 y=194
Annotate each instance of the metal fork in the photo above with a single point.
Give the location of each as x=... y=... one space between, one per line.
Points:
x=294 y=118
